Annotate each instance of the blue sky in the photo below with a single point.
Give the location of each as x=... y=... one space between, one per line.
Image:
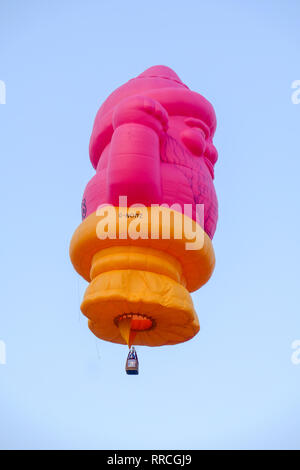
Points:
x=233 y=385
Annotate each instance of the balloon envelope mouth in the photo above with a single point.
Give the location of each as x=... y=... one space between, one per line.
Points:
x=137 y=321
x=130 y=324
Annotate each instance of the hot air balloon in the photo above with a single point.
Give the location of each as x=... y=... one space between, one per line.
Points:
x=149 y=213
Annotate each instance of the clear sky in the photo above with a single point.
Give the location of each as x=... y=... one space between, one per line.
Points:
x=234 y=385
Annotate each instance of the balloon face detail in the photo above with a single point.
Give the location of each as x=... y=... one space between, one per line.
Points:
x=152 y=142
x=187 y=151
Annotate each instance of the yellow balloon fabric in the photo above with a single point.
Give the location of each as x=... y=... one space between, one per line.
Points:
x=139 y=288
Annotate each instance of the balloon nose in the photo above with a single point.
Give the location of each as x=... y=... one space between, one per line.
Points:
x=194 y=139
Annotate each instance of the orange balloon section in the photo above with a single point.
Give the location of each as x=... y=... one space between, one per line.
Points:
x=141 y=285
